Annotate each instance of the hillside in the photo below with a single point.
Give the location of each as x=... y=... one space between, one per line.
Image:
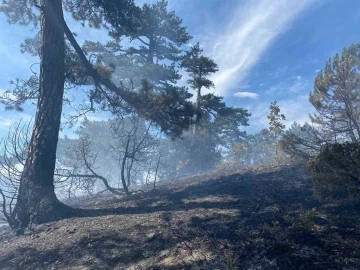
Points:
x=261 y=219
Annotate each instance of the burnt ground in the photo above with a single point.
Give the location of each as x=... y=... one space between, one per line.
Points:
x=260 y=219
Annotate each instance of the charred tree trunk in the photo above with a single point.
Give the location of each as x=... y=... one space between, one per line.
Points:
x=123 y=164
x=128 y=172
x=37 y=202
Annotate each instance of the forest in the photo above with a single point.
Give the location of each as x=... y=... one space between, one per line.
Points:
x=169 y=177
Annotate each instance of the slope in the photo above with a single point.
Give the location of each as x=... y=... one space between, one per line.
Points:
x=261 y=219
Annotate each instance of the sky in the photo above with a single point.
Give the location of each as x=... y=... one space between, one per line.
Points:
x=266 y=51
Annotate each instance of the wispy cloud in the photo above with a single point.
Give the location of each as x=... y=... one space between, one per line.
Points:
x=253 y=29
x=216 y=45
x=296 y=86
x=299 y=85
x=278 y=72
x=246 y=95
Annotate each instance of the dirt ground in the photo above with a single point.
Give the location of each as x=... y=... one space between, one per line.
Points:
x=260 y=219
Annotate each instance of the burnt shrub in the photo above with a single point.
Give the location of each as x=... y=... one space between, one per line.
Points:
x=336 y=172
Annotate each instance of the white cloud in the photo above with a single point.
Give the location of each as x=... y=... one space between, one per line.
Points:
x=253 y=29
x=217 y=45
x=246 y=95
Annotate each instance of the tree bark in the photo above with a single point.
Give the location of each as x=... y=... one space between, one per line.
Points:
x=37 y=202
x=198 y=111
x=123 y=163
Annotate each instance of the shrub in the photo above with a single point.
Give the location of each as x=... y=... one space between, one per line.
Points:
x=336 y=171
x=305 y=221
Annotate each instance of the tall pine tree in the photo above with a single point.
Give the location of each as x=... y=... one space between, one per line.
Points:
x=37 y=202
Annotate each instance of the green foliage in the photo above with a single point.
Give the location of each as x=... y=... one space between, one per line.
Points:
x=21 y=12
x=191 y=154
x=159 y=32
x=276 y=126
x=254 y=149
x=301 y=141
x=305 y=221
x=97 y=13
x=336 y=170
x=153 y=34
x=336 y=96
x=217 y=125
x=274 y=228
x=221 y=122
x=231 y=261
x=198 y=67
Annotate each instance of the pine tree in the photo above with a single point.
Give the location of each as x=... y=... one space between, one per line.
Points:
x=217 y=124
x=198 y=68
x=336 y=96
x=37 y=202
x=276 y=128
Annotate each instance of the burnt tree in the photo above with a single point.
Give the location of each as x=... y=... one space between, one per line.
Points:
x=37 y=202
x=170 y=110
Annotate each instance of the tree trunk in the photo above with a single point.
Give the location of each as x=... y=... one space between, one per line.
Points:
x=128 y=172
x=37 y=202
x=123 y=164
x=198 y=111
x=150 y=56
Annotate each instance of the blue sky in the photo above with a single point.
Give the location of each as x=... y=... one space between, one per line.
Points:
x=266 y=50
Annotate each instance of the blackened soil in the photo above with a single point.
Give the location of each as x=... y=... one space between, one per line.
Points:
x=259 y=219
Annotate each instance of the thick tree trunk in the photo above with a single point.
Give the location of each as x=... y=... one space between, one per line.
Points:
x=37 y=202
